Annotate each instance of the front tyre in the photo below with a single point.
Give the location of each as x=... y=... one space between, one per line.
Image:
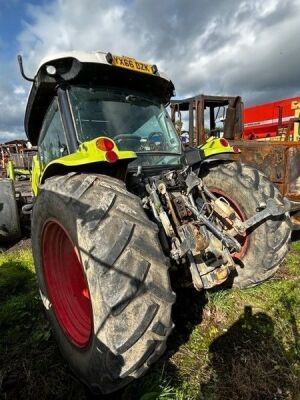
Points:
x=103 y=278
x=265 y=245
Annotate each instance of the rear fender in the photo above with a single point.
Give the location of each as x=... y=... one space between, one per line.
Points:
x=36 y=174
x=215 y=147
x=87 y=154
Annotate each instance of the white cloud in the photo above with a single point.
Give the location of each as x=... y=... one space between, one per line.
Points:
x=12 y=103
x=72 y=25
x=19 y=90
x=204 y=47
x=216 y=47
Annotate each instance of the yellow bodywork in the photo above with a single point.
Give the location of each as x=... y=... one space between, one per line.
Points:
x=87 y=153
x=296 y=106
x=214 y=146
x=36 y=174
x=12 y=172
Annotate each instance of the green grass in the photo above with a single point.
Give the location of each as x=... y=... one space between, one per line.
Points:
x=227 y=344
x=30 y=364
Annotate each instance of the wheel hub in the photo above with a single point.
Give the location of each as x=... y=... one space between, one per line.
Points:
x=243 y=240
x=66 y=283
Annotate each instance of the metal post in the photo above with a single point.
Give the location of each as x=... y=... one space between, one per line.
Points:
x=191 y=122
x=212 y=124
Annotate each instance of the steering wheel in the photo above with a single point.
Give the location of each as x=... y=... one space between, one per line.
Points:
x=128 y=142
x=156 y=139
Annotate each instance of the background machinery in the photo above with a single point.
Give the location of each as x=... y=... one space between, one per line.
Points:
x=278 y=120
x=15 y=190
x=278 y=157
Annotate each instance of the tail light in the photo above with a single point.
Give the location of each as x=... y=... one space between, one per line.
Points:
x=105 y=144
x=111 y=156
x=224 y=142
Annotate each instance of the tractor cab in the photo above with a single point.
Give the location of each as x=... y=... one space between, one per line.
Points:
x=79 y=97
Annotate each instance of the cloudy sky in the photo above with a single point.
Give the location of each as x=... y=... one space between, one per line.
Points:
x=225 y=47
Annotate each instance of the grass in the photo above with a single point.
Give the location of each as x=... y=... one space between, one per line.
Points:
x=227 y=344
x=30 y=364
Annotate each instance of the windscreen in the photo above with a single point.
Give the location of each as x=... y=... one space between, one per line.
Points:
x=133 y=121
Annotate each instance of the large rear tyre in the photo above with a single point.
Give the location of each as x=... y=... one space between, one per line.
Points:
x=103 y=278
x=9 y=214
x=266 y=245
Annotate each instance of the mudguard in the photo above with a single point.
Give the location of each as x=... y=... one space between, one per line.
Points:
x=213 y=149
x=9 y=214
x=88 y=153
x=215 y=146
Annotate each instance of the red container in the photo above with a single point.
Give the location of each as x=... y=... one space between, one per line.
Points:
x=263 y=120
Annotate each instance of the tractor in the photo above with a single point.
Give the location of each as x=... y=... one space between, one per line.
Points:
x=118 y=203
x=15 y=190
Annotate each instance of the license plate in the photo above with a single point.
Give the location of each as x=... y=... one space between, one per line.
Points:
x=131 y=63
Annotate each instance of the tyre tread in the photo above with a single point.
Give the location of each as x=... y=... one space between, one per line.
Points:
x=108 y=213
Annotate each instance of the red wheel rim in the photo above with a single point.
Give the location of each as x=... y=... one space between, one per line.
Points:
x=66 y=283
x=243 y=240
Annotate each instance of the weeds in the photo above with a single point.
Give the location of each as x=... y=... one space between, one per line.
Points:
x=30 y=364
x=232 y=344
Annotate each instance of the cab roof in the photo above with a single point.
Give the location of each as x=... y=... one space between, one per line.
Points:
x=89 y=68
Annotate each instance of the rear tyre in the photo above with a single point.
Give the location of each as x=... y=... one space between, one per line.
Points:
x=9 y=214
x=103 y=278
x=266 y=245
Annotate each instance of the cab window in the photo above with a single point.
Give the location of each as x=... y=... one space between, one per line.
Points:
x=136 y=121
x=52 y=142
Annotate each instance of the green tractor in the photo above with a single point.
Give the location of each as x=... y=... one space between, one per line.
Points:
x=118 y=202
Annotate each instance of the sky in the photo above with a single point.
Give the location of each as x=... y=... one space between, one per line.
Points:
x=217 y=47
